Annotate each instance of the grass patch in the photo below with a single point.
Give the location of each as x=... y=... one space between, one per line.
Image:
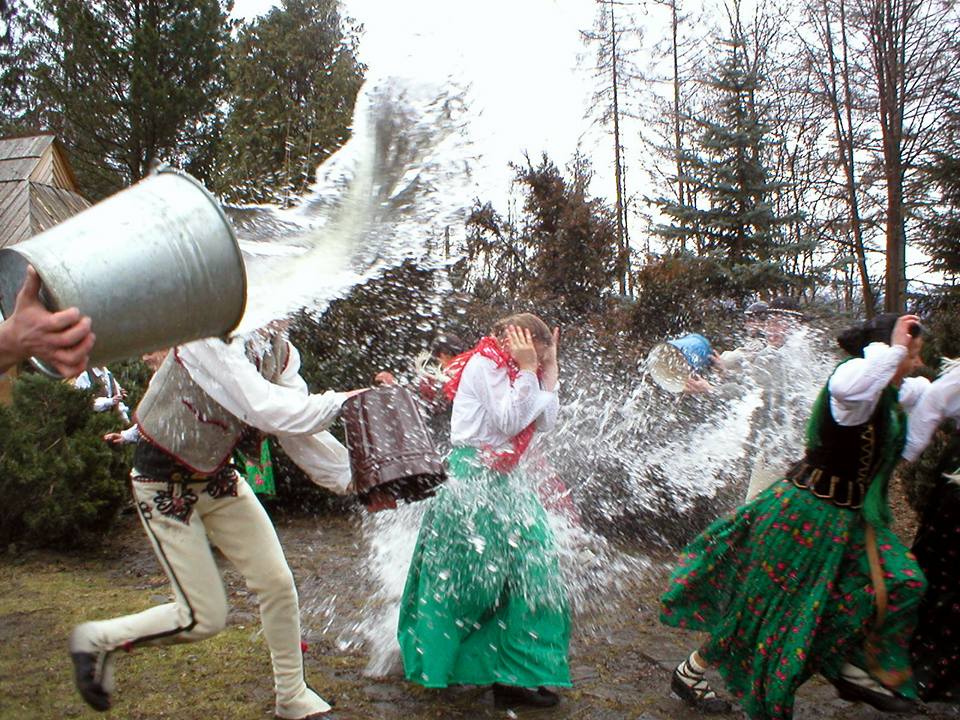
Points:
x=227 y=676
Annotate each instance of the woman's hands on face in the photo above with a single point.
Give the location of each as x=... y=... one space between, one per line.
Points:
x=549 y=359
x=521 y=348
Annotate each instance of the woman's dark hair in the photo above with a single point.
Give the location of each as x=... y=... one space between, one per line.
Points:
x=879 y=329
x=449 y=344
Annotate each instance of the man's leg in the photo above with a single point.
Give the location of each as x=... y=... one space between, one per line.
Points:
x=240 y=527
x=171 y=516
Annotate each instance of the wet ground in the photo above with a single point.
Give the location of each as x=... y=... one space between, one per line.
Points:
x=621 y=656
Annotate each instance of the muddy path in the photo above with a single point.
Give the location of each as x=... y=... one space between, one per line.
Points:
x=621 y=657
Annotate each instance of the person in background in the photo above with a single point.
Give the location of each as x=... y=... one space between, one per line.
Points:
x=131 y=435
x=484 y=602
x=808 y=578
x=64 y=339
x=108 y=395
x=936 y=643
x=429 y=376
x=765 y=360
x=189 y=496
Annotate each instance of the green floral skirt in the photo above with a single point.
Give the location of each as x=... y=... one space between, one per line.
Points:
x=484 y=600
x=783 y=587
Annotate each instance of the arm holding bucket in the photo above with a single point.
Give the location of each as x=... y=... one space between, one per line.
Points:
x=223 y=372
x=323 y=458
x=63 y=338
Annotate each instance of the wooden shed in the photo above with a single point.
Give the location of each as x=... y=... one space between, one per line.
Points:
x=37 y=190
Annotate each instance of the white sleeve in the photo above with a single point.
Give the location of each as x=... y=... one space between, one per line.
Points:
x=223 y=371
x=290 y=378
x=911 y=391
x=941 y=400
x=130 y=435
x=102 y=404
x=325 y=461
x=82 y=381
x=856 y=385
x=547 y=420
x=510 y=407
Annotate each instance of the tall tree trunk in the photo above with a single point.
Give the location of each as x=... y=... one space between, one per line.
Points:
x=677 y=142
x=889 y=19
x=617 y=164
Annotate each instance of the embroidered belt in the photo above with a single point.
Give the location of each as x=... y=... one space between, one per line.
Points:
x=841 y=491
x=154 y=464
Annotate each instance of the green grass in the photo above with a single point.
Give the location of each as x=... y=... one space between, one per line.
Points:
x=227 y=676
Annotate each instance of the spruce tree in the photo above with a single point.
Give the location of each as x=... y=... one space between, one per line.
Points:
x=294 y=77
x=123 y=83
x=736 y=224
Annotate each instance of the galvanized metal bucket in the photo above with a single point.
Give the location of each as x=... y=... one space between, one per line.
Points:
x=671 y=363
x=153 y=266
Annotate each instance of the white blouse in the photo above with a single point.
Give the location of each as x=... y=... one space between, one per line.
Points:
x=940 y=401
x=856 y=387
x=488 y=411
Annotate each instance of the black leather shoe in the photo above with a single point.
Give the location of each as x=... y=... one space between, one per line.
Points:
x=508 y=696
x=700 y=696
x=92 y=669
x=853 y=692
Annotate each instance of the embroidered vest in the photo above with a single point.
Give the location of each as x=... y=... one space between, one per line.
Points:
x=851 y=451
x=180 y=419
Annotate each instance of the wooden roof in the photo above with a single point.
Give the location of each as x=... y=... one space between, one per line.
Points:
x=37 y=187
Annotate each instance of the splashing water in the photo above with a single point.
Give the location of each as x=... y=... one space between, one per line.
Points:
x=405 y=173
x=644 y=469
x=630 y=471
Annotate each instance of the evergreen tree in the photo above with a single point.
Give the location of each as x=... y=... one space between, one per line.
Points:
x=560 y=251
x=726 y=167
x=294 y=77
x=574 y=257
x=942 y=243
x=124 y=83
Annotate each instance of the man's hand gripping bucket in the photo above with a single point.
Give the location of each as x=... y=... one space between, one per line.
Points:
x=154 y=266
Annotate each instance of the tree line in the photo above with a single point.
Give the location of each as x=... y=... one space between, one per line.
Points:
x=804 y=147
x=250 y=108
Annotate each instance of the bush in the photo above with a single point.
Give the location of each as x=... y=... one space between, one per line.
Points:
x=61 y=484
x=681 y=294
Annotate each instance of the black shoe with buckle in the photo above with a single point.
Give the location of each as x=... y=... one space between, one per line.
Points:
x=508 y=696
x=697 y=694
x=884 y=700
x=92 y=668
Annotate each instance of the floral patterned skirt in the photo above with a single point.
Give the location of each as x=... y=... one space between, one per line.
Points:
x=783 y=587
x=484 y=600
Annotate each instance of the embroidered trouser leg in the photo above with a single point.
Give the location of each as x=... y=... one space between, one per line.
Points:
x=179 y=520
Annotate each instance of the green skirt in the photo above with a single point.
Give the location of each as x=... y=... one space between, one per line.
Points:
x=484 y=600
x=783 y=587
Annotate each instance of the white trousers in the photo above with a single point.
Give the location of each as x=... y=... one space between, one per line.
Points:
x=179 y=520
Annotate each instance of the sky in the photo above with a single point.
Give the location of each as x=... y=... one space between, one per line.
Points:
x=531 y=77
x=527 y=64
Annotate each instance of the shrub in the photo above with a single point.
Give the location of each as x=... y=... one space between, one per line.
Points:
x=61 y=484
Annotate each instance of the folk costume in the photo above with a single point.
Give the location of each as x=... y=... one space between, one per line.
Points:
x=484 y=601
x=936 y=643
x=106 y=390
x=807 y=577
x=188 y=496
